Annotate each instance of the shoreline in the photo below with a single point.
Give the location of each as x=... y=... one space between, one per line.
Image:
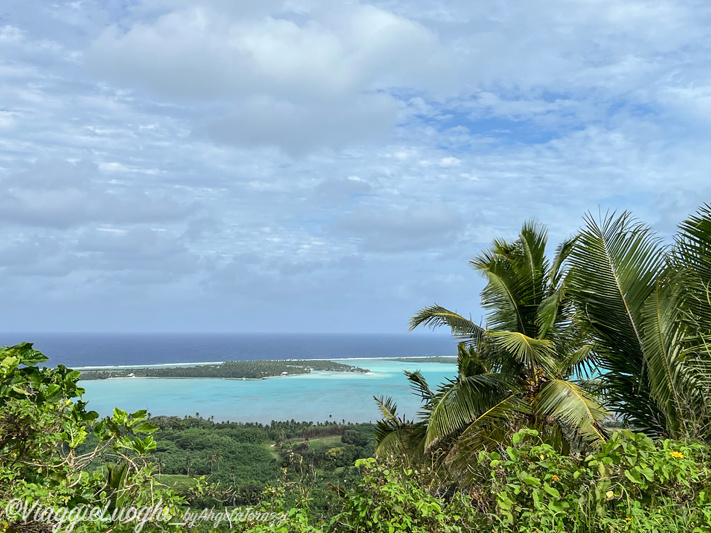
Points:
x=368 y=373
x=203 y=363
x=315 y=396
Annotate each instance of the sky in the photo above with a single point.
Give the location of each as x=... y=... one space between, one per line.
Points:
x=326 y=166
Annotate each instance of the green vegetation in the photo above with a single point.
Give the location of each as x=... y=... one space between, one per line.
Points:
x=517 y=372
x=629 y=484
x=44 y=454
x=228 y=370
x=614 y=323
x=239 y=460
x=582 y=406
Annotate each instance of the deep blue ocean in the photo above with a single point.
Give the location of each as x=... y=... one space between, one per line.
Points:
x=118 y=349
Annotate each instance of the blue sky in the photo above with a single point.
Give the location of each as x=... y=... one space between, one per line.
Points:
x=325 y=166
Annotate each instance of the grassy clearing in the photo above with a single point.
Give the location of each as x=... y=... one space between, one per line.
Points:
x=178 y=482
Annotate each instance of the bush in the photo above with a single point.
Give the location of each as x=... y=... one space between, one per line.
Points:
x=43 y=426
x=631 y=484
x=389 y=500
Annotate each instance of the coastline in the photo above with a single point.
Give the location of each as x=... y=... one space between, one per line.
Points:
x=315 y=396
x=203 y=363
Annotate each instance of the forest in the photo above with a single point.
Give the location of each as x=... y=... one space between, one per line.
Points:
x=582 y=404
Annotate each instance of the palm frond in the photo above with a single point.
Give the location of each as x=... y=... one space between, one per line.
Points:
x=436 y=316
x=420 y=386
x=668 y=377
x=517 y=274
x=499 y=295
x=526 y=350
x=614 y=268
x=534 y=267
x=487 y=429
x=461 y=401
x=566 y=401
x=558 y=268
x=548 y=312
x=692 y=249
x=581 y=362
x=394 y=436
x=472 y=360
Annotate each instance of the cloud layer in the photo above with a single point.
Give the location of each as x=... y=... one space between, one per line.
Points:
x=220 y=165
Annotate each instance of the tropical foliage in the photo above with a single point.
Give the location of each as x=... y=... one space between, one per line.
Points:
x=648 y=311
x=614 y=323
x=522 y=370
x=43 y=424
x=631 y=484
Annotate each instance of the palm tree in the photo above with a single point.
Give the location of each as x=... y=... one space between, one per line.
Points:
x=515 y=372
x=214 y=459
x=648 y=310
x=159 y=462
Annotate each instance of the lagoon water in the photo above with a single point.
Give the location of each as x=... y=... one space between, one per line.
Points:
x=317 y=397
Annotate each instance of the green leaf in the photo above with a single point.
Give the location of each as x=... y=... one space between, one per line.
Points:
x=139 y=414
x=530 y=480
x=526 y=350
x=53 y=393
x=550 y=490
x=9 y=362
x=144 y=427
x=25 y=354
x=120 y=416
x=573 y=406
x=504 y=501
x=436 y=316
x=633 y=476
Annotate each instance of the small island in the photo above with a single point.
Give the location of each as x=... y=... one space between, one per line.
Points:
x=226 y=370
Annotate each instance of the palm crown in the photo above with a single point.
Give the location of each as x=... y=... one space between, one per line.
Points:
x=520 y=370
x=648 y=309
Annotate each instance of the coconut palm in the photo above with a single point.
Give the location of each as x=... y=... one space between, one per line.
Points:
x=648 y=311
x=515 y=372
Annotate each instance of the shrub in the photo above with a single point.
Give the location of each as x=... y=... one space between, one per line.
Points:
x=631 y=484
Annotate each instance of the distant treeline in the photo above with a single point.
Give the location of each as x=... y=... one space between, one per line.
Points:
x=227 y=370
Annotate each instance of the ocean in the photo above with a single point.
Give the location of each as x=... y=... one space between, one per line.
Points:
x=316 y=397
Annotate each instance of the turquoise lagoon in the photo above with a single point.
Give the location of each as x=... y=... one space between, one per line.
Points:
x=317 y=397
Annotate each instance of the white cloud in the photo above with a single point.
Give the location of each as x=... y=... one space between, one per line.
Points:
x=341 y=190
x=300 y=129
x=415 y=228
x=202 y=52
x=60 y=194
x=296 y=81
x=165 y=171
